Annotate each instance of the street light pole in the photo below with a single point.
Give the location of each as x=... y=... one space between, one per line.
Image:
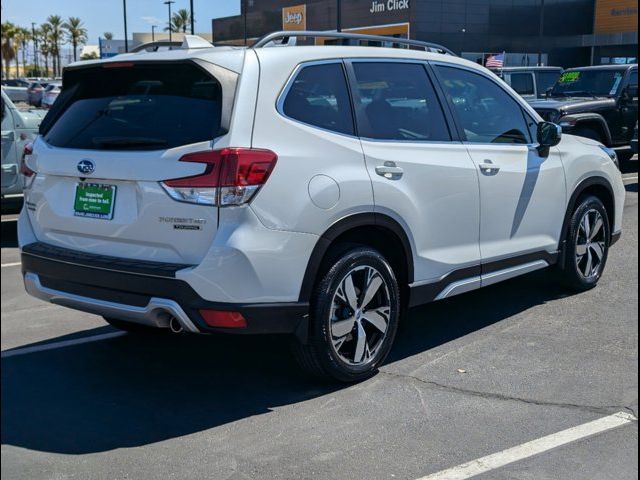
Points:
x=168 y=4
x=153 y=33
x=126 y=34
x=244 y=10
x=339 y=15
x=541 y=33
x=193 y=27
x=35 y=47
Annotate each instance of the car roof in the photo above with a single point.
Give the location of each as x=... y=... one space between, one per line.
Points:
x=607 y=67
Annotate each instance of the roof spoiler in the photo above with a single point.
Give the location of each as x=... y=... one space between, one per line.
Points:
x=189 y=42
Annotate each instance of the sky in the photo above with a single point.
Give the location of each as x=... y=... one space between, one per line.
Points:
x=101 y=16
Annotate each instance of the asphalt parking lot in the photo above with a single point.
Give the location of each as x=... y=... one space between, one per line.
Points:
x=469 y=377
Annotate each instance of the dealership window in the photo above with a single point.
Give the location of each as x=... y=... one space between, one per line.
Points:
x=396 y=101
x=487 y=113
x=319 y=97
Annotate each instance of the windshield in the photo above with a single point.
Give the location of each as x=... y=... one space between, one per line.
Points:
x=135 y=107
x=584 y=83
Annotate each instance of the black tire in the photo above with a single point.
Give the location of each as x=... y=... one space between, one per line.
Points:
x=132 y=327
x=318 y=356
x=575 y=263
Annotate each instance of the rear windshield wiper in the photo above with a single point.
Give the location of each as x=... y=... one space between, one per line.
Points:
x=128 y=142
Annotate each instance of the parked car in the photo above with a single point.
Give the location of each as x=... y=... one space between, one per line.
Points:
x=530 y=82
x=15 y=82
x=18 y=128
x=50 y=94
x=35 y=91
x=600 y=103
x=310 y=191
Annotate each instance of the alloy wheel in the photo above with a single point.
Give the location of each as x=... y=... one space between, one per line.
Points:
x=590 y=244
x=360 y=314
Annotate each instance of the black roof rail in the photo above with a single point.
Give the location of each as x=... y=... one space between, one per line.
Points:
x=286 y=36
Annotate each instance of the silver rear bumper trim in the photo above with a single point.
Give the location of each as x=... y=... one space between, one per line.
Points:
x=157 y=313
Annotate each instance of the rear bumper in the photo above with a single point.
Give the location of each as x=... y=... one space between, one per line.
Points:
x=141 y=292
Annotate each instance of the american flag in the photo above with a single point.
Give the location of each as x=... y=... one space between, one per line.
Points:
x=495 y=61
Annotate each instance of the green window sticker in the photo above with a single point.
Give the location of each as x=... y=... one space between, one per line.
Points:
x=569 y=77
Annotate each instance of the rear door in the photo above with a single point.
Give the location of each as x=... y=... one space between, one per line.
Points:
x=522 y=195
x=116 y=132
x=421 y=175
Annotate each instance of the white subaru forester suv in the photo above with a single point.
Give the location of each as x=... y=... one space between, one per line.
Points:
x=315 y=191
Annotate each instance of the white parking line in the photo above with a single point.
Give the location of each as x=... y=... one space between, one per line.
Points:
x=535 y=447
x=62 y=344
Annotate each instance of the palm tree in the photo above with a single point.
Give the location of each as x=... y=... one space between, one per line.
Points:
x=56 y=37
x=180 y=20
x=45 y=44
x=8 y=33
x=23 y=36
x=108 y=35
x=76 y=33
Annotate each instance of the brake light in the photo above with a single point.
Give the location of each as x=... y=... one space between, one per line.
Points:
x=219 y=319
x=24 y=168
x=232 y=176
x=118 y=65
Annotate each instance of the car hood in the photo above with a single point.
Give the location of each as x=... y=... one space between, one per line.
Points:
x=568 y=105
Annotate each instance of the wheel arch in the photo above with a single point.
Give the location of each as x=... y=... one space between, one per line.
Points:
x=372 y=229
x=594 y=121
x=597 y=186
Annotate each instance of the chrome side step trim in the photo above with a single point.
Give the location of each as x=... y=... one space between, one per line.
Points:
x=474 y=283
x=507 y=273
x=157 y=313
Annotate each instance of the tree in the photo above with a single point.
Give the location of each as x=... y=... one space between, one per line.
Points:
x=56 y=36
x=22 y=38
x=108 y=35
x=45 y=44
x=89 y=56
x=76 y=33
x=8 y=33
x=180 y=20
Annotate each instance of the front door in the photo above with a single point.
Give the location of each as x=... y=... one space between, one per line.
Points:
x=9 y=150
x=522 y=195
x=420 y=175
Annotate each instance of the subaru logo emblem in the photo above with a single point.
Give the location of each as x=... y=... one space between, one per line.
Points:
x=86 y=166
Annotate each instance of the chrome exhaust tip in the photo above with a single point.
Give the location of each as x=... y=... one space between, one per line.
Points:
x=175 y=325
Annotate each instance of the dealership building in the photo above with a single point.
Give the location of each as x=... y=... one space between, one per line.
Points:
x=551 y=32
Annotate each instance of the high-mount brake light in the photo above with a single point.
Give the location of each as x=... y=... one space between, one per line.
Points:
x=118 y=65
x=232 y=176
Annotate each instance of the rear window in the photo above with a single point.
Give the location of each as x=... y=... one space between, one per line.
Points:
x=141 y=107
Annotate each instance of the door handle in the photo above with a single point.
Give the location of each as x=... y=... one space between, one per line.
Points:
x=10 y=169
x=488 y=167
x=8 y=136
x=390 y=171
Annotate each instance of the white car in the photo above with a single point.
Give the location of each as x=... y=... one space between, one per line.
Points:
x=50 y=94
x=315 y=191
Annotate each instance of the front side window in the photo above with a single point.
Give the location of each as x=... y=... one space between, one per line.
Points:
x=547 y=80
x=396 y=101
x=319 y=96
x=486 y=112
x=522 y=83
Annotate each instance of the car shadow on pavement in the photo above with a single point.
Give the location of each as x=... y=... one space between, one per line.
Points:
x=9 y=237
x=134 y=390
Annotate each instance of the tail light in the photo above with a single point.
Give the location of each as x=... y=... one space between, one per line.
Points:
x=232 y=176
x=24 y=168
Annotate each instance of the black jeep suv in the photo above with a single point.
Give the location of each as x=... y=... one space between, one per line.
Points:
x=600 y=103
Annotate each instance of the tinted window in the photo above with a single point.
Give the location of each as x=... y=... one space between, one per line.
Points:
x=487 y=113
x=135 y=107
x=319 y=97
x=546 y=80
x=633 y=78
x=397 y=102
x=522 y=83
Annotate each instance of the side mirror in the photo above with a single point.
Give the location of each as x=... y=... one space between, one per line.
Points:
x=549 y=135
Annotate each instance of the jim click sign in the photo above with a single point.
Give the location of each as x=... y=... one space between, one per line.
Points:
x=388 y=6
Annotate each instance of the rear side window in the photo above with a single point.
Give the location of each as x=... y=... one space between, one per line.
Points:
x=141 y=107
x=319 y=97
x=522 y=83
x=486 y=112
x=396 y=101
